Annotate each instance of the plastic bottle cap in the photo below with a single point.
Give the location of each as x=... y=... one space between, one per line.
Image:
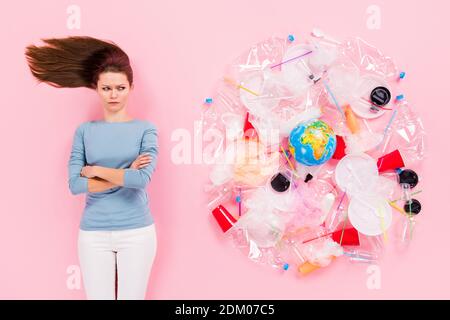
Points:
x=400 y=97
x=402 y=75
x=309 y=176
x=280 y=183
x=208 y=100
x=408 y=176
x=291 y=38
x=412 y=207
x=380 y=96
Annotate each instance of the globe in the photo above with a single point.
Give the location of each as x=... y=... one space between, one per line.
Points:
x=312 y=143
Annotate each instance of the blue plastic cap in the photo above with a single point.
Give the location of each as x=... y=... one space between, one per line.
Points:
x=402 y=75
x=291 y=38
x=286 y=266
x=208 y=100
x=400 y=97
x=238 y=199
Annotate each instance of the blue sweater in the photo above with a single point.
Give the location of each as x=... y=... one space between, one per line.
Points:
x=114 y=145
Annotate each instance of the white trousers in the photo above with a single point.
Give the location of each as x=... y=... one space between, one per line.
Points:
x=129 y=252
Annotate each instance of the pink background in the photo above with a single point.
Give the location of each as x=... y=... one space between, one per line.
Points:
x=179 y=49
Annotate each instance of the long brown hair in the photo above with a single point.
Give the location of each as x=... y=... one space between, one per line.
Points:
x=76 y=61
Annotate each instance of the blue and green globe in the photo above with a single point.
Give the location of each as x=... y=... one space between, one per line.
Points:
x=312 y=143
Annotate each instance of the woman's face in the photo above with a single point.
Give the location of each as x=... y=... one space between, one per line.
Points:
x=113 y=89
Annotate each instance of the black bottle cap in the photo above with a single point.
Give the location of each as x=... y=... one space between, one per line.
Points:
x=309 y=176
x=380 y=96
x=408 y=176
x=412 y=207
x=280 y=183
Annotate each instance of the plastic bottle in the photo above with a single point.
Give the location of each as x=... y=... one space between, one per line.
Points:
x=407 y=133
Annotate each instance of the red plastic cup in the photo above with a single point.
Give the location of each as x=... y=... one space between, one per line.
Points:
x=390 y=161
x=223 y=218
x=340 y=148
x=350 y=237
x=249 y=129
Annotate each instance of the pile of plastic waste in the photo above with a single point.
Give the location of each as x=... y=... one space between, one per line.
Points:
x=314 y=153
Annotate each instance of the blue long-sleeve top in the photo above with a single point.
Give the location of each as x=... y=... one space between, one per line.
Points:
x=114 y=145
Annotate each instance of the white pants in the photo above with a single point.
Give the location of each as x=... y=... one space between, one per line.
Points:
x=132 y=251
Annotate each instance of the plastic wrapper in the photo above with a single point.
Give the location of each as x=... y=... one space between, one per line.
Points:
x=297 y=215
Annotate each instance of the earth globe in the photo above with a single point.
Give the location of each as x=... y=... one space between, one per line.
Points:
x=312 y=143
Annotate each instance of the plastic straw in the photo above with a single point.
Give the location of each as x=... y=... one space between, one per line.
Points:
x=337 y=208
x=291 y=59
x=343 y=230
x=234 y=83
x=405 y=199
x=333 y=97
x=393 y=205
x=324 y=235
x=410 y=221
x=289 y=161
x=240 y=201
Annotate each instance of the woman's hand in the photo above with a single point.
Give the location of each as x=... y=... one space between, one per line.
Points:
x=141 y=161
x=88 y=171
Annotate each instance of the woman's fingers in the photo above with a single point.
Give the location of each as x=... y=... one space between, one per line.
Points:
x=143 y=160
x=146 y=159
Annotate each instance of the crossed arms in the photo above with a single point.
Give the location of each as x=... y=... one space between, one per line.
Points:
x=85 y=178
x=103 y=178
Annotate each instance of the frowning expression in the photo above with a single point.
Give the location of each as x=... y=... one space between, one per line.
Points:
x=113 y=89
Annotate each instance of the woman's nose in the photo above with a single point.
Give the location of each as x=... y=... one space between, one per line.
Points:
x=113 y=93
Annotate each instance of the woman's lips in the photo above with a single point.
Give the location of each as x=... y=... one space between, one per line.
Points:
x=113 y=102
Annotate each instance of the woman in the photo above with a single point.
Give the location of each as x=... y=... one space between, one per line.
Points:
x=112 y=160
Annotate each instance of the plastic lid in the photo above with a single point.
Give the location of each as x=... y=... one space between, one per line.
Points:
x=370 y=214
x=408 y=176
x=380 y=96
x=412 y=207
x=361 y=103
x=280 y=183
x=356 y=173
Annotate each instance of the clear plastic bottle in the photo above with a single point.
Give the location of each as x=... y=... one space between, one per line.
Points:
x=408 y=224
x=406 y=134
x=407 y=220
x=361 y=256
